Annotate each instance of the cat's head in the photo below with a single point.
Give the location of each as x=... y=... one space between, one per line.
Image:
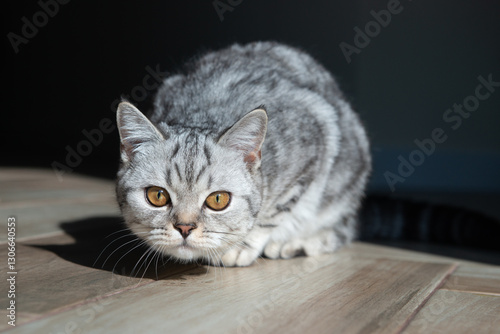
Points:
x=184 y=191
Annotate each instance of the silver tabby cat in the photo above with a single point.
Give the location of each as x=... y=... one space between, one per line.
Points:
x=251 y=151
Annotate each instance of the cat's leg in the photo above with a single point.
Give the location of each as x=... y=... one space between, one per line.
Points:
x=249 y=250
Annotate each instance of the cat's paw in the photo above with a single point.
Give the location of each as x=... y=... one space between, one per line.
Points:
x=248 y=251
x=237 y=257
x=323 y=242
x=283 y=250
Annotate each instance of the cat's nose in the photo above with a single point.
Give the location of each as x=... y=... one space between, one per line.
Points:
x=185 y=229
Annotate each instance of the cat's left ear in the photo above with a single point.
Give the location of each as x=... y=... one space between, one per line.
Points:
x=247 y=135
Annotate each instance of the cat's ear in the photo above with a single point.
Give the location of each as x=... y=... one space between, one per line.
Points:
x=135 y=129
x=247 y=135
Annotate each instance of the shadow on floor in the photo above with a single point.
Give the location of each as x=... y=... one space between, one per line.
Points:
x=105 y=243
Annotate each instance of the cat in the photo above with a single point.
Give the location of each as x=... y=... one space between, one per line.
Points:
x=250 y=150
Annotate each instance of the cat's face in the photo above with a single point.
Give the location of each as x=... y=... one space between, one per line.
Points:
x=184 y=193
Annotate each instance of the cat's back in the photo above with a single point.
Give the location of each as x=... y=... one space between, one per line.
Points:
x=215 y=90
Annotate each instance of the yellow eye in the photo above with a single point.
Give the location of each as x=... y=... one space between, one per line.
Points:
x=157 y=196
x=218 y=200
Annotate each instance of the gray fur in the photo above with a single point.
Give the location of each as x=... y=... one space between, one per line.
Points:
x=302 y=196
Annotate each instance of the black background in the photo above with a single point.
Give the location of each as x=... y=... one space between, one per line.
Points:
x=65 y=79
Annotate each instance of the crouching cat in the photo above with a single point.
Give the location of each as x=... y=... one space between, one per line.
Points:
x=250 y=151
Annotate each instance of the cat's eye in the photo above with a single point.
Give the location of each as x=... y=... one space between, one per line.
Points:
x=218 y=200
x=157 y=196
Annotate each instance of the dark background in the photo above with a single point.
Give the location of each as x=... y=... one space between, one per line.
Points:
x=65 y=79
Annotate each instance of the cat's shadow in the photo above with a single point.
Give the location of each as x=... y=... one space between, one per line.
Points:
x=105 y=243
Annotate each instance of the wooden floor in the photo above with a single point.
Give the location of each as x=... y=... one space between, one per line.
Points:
x=77 y=271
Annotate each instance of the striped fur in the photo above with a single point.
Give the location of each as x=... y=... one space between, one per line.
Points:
x=298 y=191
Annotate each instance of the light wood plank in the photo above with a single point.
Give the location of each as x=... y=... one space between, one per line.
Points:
x=21 y=173
x=381 y=251
x=479 y=270
x=26 y=185
x=334 y=293
x=26 y=317
x=34 y=221
x=473 y=285
x=458 y=312
x=465 y=269
x=41 y=203
x=58 y=272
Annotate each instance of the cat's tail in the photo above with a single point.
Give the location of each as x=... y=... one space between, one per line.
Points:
x=386 y=218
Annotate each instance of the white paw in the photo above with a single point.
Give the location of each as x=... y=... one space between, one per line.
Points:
x=291 y=249
x=323 y=242
x=284 y=250
x=273 y=249
x=239 y=257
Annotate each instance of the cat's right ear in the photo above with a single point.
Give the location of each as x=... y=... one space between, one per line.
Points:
x=135 y=130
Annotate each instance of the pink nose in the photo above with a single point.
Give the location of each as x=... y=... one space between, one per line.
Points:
x=185 y=229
